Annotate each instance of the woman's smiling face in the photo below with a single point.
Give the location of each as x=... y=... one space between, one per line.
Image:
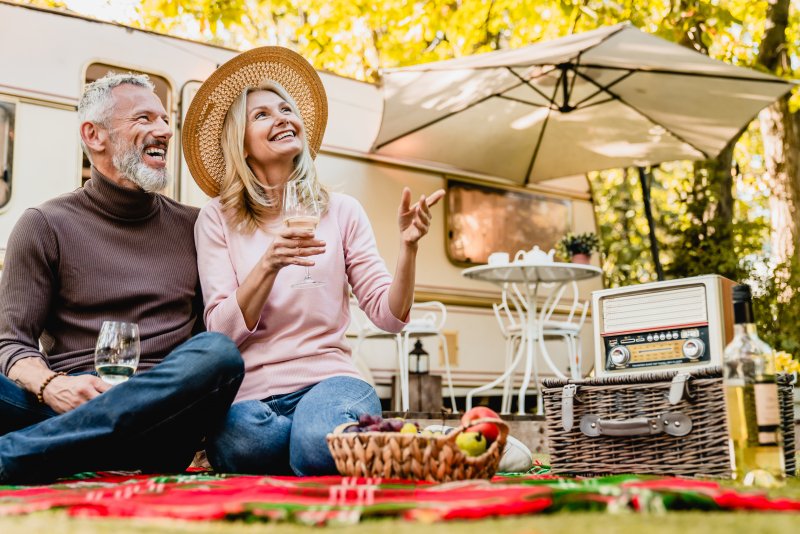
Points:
x=274 y=133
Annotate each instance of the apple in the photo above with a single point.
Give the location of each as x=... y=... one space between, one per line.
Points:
x=488 y=430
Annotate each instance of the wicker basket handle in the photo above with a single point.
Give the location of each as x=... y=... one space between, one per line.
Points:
x=450 y=435
x=672 y=423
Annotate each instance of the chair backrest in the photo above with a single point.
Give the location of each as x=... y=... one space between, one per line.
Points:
x=360 y=325
x=568 y=295
x=432 y=314
x=510 y=313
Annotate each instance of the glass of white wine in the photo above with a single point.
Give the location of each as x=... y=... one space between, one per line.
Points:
x=301 y=210
x=116 y=354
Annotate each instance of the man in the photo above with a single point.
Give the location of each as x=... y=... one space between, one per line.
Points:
x=112 y=250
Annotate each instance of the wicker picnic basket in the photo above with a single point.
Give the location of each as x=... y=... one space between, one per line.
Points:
x=413 y=456
x=656 y=423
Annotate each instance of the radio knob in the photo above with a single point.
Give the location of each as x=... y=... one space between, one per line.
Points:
x=620 y=356
x=693 y=348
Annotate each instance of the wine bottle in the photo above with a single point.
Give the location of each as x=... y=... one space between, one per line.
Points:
x=751 y=397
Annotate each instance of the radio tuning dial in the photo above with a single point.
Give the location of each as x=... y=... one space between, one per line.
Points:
x=620 y=356
x=693 y=348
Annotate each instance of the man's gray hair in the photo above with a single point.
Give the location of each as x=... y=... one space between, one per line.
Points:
x=97 y=101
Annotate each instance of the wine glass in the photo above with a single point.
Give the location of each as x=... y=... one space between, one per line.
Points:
x=116 y=354
x=301 y=210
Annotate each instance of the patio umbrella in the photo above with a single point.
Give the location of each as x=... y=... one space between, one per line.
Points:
x=608 y=98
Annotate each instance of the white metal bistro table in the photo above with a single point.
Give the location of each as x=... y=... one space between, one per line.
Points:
x=529 y=275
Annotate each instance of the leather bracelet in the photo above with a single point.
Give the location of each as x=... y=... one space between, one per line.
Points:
x=40 y=395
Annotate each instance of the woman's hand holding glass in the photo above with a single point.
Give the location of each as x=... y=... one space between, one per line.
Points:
x=301 y=213
x=292 y=246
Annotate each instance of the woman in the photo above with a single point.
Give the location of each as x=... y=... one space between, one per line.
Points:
x=244 y=141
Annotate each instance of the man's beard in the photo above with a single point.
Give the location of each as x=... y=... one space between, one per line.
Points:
x=130 y=164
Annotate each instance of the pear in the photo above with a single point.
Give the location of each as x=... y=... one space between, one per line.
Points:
x=471 y=443
x=409 y=428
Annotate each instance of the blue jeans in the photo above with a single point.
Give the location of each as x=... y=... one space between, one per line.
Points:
x=285 y=434
x=154 y=422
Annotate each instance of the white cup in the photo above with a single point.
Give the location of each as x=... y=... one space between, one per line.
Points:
x=498 y=258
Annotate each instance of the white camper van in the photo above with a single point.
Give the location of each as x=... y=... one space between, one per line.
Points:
x=48 y=56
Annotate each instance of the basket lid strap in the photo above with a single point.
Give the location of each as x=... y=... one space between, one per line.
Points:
x=680 y=388
x=568 y=396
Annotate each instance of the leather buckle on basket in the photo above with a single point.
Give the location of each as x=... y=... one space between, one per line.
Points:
x=680 y=388
x=569 y=394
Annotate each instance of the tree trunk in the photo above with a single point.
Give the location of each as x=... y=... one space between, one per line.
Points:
x=780 y=132
x=719 y=216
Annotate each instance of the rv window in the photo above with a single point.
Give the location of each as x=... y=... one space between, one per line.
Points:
x=482 y=220
x=6 y=150
x=98 y=70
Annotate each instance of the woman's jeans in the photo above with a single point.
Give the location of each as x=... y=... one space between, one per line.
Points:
x=285 y=434
x=153 y=422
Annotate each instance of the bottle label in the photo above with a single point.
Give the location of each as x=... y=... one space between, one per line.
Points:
x=768 y=412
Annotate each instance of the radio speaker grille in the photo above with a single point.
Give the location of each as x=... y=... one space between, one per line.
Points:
x=655 y=309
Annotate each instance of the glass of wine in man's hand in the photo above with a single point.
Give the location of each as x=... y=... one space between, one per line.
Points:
x=116 y=354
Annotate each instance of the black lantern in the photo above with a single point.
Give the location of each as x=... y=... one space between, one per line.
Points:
x=419 y=360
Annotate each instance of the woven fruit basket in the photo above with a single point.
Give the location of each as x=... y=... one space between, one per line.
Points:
x=434 y=458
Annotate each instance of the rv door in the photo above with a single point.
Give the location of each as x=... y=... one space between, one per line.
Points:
x=188 y=191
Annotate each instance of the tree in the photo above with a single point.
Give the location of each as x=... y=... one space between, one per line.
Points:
x=780 y=130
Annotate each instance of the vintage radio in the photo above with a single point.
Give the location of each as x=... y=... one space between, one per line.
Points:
x=675 y=324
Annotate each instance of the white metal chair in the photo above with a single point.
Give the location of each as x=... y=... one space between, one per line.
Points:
x=547 y=327
x=426 y=320
x=364 y=329
x=569 y=329
x=510 y=317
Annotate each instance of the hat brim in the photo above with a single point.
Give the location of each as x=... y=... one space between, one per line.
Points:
x=202 y=128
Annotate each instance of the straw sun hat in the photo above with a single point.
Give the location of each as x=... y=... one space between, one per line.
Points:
x=202 y=129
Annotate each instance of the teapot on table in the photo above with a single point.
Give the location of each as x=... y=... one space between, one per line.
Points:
x=535 y=255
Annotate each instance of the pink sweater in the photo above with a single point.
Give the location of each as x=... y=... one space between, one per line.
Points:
x=300 y=338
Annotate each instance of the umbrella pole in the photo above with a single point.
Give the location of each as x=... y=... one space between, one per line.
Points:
x=648 y=212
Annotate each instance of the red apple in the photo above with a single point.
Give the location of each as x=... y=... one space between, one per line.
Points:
x=489 y=430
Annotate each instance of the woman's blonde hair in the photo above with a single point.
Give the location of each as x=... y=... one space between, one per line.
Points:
x=246 y=201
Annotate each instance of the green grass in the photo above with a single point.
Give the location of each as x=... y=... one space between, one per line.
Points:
x=584 y=523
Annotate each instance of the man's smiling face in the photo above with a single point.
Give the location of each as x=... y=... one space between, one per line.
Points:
x=139 y=134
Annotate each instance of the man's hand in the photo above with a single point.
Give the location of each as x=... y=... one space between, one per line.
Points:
x=65 y=393
x=415 y=220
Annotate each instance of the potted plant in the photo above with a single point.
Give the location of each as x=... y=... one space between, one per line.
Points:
x=578 y=248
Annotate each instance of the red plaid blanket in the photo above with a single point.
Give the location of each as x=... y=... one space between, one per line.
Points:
x=324 y=500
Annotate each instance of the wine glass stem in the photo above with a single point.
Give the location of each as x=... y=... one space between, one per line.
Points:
x=308 y=274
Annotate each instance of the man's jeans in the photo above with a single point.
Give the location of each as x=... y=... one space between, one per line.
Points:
x=154 y=422
x=285 y=434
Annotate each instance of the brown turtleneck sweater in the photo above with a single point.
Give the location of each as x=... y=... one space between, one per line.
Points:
x=99 y=253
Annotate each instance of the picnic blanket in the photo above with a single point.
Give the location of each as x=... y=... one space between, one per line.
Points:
x=337 y=500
